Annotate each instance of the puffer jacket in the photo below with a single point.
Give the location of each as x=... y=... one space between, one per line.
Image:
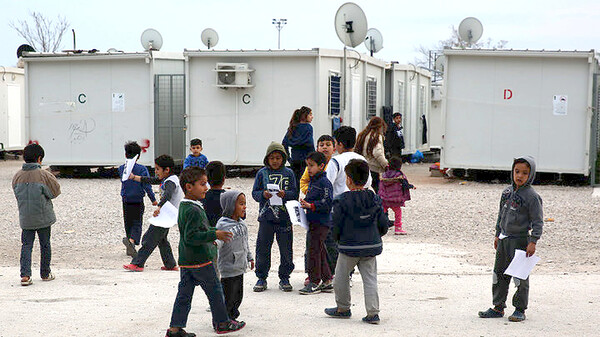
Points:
x=359 y=223
x=34 y=189
x=394 y=188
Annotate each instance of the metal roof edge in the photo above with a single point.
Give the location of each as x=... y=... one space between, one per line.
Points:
x=519 y=53
x=32 y=57
x=252 y=53
x=12 y=70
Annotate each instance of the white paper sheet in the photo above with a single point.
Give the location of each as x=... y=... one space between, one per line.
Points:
x=129 y=163
x=118 y=102
x=560 y=105
x=167 y=216
x=521 y=266
x=275 y=200
x=297 y=213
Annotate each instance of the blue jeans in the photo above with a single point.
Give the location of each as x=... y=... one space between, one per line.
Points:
x=205 y=277
x=27 y=238
x=283 y=232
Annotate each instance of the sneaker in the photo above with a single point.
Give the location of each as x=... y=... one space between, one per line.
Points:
x=130 y=247
x=50 y=277
x=169 y=269
x=333 y=312
x=517 y=316
x=310 y=289
x=326 y=286
x=180 y=333
x=306 y=281
x=26 y=281
x=491 y=313
x=400 y=232
x=371 y=319
x=132 y=267
x=229 y=326
x=284 y=285
x=261 y=285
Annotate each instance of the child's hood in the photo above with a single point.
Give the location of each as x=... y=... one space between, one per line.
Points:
x=228 y=200
x=531 y=177
x=274 y=146
x=389 y=174
x=365 y=207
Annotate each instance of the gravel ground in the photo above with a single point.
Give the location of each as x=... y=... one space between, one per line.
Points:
x=458 y=215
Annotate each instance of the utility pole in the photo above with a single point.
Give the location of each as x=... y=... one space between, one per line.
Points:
x=279 y=25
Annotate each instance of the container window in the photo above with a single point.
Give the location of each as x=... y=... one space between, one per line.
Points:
x=371 y=98
x=334 y=94
x=401 y=98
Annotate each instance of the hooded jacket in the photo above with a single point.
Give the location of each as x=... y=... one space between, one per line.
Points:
x=394 y=188
x=521 y=208
x=319 y=194
x=359 y=223
x=301 y=141
x=34 y=188
x=284 y=177
x=235 y=254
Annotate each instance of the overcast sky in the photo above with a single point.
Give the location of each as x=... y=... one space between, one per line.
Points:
x=246 y=24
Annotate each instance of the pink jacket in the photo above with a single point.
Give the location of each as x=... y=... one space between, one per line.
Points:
x=394 y=192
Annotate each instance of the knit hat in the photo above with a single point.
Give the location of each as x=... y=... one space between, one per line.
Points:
x=228 y=200
x=274 y=146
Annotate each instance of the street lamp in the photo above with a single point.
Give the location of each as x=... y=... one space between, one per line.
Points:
x=279 y=25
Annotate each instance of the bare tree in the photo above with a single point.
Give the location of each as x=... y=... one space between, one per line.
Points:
x=453 y=41
x=43 y=34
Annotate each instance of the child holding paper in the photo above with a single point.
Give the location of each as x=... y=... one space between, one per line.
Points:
x=318 y=203
x=274 y=220
x=520 y=212
x=156 y=235
x=132 y=193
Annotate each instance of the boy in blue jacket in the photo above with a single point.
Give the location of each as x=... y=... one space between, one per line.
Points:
x=132 y=193
x=358 y=224
x=274 y=219
x=318 y=202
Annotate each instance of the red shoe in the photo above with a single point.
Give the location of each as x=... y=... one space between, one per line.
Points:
x=132 y=267
x=307 y=281
x=169 y=269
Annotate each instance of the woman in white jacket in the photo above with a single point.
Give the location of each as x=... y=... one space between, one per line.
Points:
x=369 y=144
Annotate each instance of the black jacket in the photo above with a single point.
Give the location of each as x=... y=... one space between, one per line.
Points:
x=394 y=140
x=359 y=223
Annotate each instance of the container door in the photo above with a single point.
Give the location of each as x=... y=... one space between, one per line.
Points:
x=14 y=116
x=169 y=116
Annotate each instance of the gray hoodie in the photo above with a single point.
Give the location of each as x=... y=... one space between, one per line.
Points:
x=521 y=209
x=235 y=254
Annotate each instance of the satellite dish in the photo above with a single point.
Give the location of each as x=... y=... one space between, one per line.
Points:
x=209 y=37
x=151 y=39
x=24 y=48
x=374 y=40
x=351 y=24
x=439 y=63
x=470 y=30
x=112 y=50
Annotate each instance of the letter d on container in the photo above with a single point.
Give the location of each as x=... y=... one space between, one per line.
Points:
x=508 y=94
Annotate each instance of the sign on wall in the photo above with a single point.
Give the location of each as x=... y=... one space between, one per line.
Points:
x=559 y=104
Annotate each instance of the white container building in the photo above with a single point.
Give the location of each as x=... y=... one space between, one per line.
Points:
x=82 y=108
x=240 y=101
x=12 y=109
x=499 y=104
x=409 y=90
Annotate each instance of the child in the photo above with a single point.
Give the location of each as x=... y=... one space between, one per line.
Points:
x=196 y=252
x=132 y=193
x=345 y=139
x=215 y=171
x=318 y=204
x=274 y=219
x=325 y=146
x=196 y=158
x=157 y=235
x=520 y=212
x=394 y=190
x=234 y=255
x=34 y=190
x=358 y=224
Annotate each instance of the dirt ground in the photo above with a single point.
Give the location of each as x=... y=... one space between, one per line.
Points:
x=432 y=282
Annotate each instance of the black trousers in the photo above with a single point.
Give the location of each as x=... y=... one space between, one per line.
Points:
x=233 y=289
x=132 y=214
x=155 y=236
x=298 y=168
x=375 y=181
x=504 y=255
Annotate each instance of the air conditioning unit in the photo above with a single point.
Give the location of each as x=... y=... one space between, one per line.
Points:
x=233 y=75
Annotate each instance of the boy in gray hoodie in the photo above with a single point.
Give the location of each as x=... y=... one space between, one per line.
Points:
x=519 y=226
x=234 y=255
